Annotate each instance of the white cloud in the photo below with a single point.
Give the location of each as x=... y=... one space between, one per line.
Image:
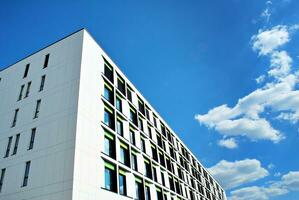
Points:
x=289 y=182
x=267 y=11
x=271 y=166
x=260 y=79
x=267 y=41
x=233 y=174
x=230 y=143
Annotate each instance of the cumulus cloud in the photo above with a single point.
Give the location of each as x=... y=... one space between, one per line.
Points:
x=289 y=182
x=228 y=143
x=233 y=174
x=278 y=94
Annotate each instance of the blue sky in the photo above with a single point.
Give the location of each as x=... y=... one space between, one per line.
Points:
x=194 y=60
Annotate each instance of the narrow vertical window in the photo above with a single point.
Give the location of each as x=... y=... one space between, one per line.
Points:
x=28 y=89
x=32 y=138
x=15 y=118
x=46 y=60
x=122 y=182
x=108 y=71
x=8 y=147
x=159 y=194
x=140 y=124
x=42 y=83
x=118 y=104
x=129 y=94
x=37 y=108
x=2 y=178
x=124 y=154
x=147 y=168
x=142 y=140
x=109 y=117
x=21 y=93
x=132 y=136
x=147 y=192
x=26 y=174
x=110 y=177
x=26 y=70
x=134 y=161
x=108 y=93
x=121 y=85
x=109 y=145
x=119 y=127
x=138 y=188
x=15 y=149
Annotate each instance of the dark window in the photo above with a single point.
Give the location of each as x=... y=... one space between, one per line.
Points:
x=26 y=70
x=28 y=89
x=139 y=189
x=133 y=116
x=109 y=145
x=122 y=182
x=109 y=117
x=155 y=122
x=159 y=140
x=162 y=161
x=42 y=83
x=155 y=174
x=8 y=147
x=32 y=138
x=141 y=106
x=154 y=152
x=110 y=177
x=168 y=164
x=142 y=141
x=21 y=93
x=132 y=137
x=124 y=154
x=121 y=85
x=163 y=178
x=134 y=161
x=147 y=167
x=26 y=174
x=119 y=127
x=159 y=194
x=108 y=93
x=118 y=104
x=177 y=187
x=147 y=193
x=140 y=124
x=149 y=132
x=15 y=149
x=15 y=118
x=147 y=114
x=129 y=94
x=37 y=108
x=171 y=184
x=108 y=71
x=2 y=178
x=46 y=60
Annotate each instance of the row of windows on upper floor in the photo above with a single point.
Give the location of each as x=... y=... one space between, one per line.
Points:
x=150 y=167
x=25 y=177
x=109 y=118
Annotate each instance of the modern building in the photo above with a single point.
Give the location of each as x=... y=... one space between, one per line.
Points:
x=73 y=127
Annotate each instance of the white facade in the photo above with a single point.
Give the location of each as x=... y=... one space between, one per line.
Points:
x=67 y=161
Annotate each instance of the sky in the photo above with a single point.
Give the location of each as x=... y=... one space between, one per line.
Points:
x=223 y=74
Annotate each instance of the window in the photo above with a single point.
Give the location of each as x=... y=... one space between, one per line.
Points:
x=108 y=93
x=32 y=138
x=162 y=161
x=109 y=117
x=147 y=168
x=110 y=177
x=149 y=132
x=134 y=161
x=26 y=70
x=37 y=108
x=139 y=189
x=118 y=104
x=171 y=183
x=132 y=136
x=133 y=116
x=155 y=122
x=46 y=60
x=124 y=154
x=155 y=174
x=15 y=149
x=147 y=192
x=163 y=178
x=26 y=174
x=159 y=194
x=28 y=89
x=15 y=118
x=121 y=85
x=141 y=106
x=147 y=113
x=119 y=127
x=8 y=147
x=154 y=152
x=140 y=124
x=142 y=141
x=2 y=178
x=42 y=83
x=129 y=94
x=108 y=71
x=109 y=145
x=122 y=182
x=21 y=93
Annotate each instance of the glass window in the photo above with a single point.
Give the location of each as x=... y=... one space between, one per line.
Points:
x=132 y=137
x=15 y=118
x=118 y=104
x=147 y=167
x=159 y=194
x=122 y=182
x=8 y=147
x=42 y=83
x=37 y=108
x=141 y=106
x=140 y=124
x=121 y=85
x=108 y=93
x=129 y=94
x=149 y=132
x=26 y=174
x=21 y=93
x=15 y=149
x=26 y=70
x=32 y=138
x=109 y=145
x=163 y=178
x=2 y=178
x=119 y=127
x=134 y=161
x=154 y=152
x=147 y=192
x=108 y=71
x=46 y=60
x=142 y=145
x=138 y=188
x=155 y=174
x=110 y=177
x=28 y=89
x=109 y=117
x=124 y=154
x=133 y=116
